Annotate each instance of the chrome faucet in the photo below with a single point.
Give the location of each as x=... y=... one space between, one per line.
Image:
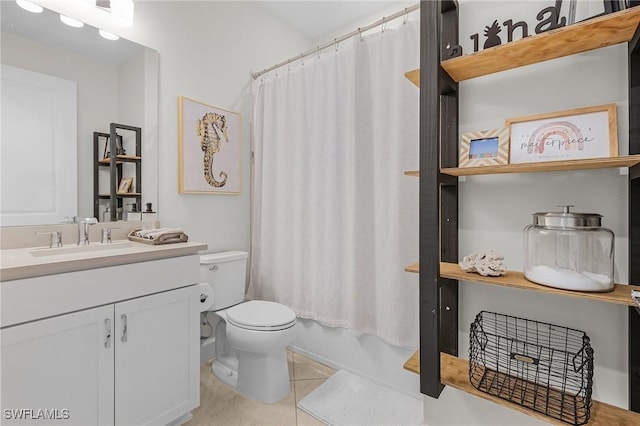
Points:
x=83 y=229
x=106 y=235
x=56 y=238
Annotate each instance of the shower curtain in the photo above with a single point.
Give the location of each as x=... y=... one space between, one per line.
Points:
x=334 y=219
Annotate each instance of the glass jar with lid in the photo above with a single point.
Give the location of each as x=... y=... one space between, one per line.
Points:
x=568 y=250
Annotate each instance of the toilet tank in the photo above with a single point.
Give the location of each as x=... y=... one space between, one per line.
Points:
x=226 y=273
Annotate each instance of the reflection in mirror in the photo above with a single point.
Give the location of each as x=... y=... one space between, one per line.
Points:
x=48 y=165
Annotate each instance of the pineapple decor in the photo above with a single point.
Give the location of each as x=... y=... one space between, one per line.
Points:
x=491 y=33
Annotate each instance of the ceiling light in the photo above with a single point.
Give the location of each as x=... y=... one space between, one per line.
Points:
x=27 y=5
x=71 y=22
x=108 y=35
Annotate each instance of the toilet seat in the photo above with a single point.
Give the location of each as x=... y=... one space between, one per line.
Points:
x=261 y=315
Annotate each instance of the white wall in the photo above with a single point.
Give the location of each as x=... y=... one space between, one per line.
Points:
x=385 y=11
x=493 y=210
x=207 y=51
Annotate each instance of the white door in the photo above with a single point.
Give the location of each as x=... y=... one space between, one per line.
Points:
x=60 y=368
x=38 y=149
x=157 y=357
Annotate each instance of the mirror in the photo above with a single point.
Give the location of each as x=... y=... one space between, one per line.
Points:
x=116 y=81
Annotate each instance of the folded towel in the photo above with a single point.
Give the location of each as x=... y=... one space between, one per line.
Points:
x=152 y=234
x=172 y=238
x=159 y=236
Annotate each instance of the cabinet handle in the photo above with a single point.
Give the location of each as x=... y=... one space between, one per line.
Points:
x=124 y=328
x=107 y=340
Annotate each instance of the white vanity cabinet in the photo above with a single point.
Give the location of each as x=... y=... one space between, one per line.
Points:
x=157 y=374
x=61 y=364
x=131 y=361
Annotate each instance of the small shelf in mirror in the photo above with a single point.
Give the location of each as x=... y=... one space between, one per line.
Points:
x=120 y=158
x=122 y=194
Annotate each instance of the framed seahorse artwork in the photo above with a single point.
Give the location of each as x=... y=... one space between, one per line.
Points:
x=209 y=147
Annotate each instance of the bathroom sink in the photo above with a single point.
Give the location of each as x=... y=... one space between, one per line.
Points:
x=57 y=251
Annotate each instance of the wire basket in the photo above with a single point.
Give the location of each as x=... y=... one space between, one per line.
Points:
x=544 y=367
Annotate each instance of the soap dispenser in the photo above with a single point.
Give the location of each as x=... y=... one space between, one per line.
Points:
x=148 y=214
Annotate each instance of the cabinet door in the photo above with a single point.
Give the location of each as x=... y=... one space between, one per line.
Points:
x=157 y=357
x=60 y=368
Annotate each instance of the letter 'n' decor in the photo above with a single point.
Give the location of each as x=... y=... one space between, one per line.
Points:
x=209 y=142
x=574 y=134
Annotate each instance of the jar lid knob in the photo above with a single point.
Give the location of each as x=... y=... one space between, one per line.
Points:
x=565 y=208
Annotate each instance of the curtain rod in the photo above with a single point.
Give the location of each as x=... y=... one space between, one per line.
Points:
x=335 y=41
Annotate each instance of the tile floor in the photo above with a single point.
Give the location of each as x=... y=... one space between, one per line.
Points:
x=221 y=406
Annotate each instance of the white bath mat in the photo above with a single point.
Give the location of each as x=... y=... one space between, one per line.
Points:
x=349 y=400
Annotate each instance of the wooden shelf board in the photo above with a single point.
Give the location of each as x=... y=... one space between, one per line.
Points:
x=120 y=158
x=621 y=294
x=550 y=166
x=123 y=194
x=413 y=268
x=454 y=372
x=413 y=76
x=606 y=30
x=413 y=363
x=415 y=173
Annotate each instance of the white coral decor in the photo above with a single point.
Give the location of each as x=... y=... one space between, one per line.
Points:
x=485 y=263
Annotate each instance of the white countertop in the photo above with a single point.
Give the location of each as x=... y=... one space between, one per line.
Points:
x=39 y=261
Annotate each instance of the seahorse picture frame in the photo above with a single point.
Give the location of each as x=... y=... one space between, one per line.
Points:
x=209 y=147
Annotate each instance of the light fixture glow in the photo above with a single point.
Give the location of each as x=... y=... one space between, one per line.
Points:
x=108 y=35
x=31 y=7
x=71 y=22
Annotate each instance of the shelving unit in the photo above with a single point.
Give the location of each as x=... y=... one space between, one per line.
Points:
x=115 y=168
x=439 y=273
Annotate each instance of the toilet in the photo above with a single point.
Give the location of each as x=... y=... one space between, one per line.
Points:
x=250 y=336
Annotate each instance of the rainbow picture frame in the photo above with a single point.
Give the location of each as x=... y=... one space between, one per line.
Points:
x=574 y=134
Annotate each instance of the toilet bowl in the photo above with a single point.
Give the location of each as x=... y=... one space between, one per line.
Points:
x=250 y=336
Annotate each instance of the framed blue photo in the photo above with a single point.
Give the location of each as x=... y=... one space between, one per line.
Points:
x=484 y=148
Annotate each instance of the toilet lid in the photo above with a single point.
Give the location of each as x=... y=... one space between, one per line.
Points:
x=261 y=315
